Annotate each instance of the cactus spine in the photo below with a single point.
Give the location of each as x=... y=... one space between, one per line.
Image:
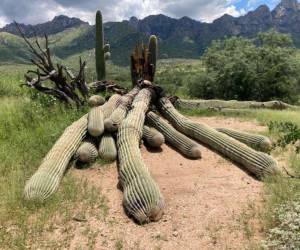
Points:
x=258 y=142
x=255 y=162
x=113 y=122
x=153 y=137
x=102 y=51
x=96 y=100
x=142 y=197
x=47 y=178
x=97 y=115
x=107 y=147
x=87 y=152
x=185 y=145
x=153 y=51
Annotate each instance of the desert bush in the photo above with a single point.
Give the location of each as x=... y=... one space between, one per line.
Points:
x=262 y=68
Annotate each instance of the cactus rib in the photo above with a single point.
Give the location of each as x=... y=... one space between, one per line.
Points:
x=153 y=137
x=142 y=197
x=47 y=178
x=87 y=152
x=113 y=122
x=97 y=115
x=258 y=142
x=107 y=147
x=185 y=145
x=258 y=163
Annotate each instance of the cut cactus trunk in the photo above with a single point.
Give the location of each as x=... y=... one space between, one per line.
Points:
x=153 y=137
x=182 y=143
x=258 y=142
x=87 y=152
x=257 y=163
x=47 y=178
x=97 y=115
x=142 y=197
x=113 y=122
x=108 y=148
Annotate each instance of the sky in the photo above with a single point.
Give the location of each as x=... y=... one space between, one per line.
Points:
x=39 y=11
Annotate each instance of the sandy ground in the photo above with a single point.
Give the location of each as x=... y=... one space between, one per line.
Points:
x=209 y=202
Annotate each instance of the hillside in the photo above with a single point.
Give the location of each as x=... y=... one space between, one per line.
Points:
x=179 y=38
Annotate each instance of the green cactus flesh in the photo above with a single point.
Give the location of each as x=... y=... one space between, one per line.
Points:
x=153 y=50
x=107 y=147
x=185 y=145
x=47 y=178
x=113 y=122
x=142 y=197
x=255 y=141
x=96 y=100
x=97 y=115
x=99 y=47
x=153 y=137
x=87 y=152
x=257 y=163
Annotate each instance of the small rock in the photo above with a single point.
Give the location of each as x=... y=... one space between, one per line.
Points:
x=175 y=233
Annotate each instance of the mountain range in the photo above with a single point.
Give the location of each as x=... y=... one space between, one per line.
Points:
x=178 y=38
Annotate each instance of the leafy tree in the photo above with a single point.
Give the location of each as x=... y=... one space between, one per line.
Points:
x=260 y=69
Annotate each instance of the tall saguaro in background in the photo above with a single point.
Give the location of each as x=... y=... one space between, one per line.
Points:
x=101 y=50
x=153 y=51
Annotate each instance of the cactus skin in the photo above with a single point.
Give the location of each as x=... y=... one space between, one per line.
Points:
x=102 y=51
x=185 y=145
x=47 y=178
x=113 y=122
x=87 y=152
x=153 y=137
x=97 y=115
x=153 y=50
x=142 y=197
x=108 y=148
x=258 y=142
x=96 y=100
x=257 y=163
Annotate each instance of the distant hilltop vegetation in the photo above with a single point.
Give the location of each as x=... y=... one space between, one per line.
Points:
x=178 y=38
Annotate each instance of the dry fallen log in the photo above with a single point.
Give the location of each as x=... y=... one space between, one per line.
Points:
x=219 y=105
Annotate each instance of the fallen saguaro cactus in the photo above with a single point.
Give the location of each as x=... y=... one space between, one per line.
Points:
x=107 y=147
x=97 y=115
x=142 y=197
x=257 y=163
x=113 y=122
x=185 y=145
x=47 y=178
x=153 y=137
x=87 y=152
x=255 y=141
x=232 y=104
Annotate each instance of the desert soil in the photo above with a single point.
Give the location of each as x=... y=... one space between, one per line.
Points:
x=210 y=203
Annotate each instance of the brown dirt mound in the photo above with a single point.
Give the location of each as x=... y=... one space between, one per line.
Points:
x=210 y=203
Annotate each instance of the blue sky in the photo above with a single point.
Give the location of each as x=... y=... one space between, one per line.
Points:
x=37 y=11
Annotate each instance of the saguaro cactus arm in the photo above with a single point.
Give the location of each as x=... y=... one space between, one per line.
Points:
x=255 y=162
x=47 y=178
x=153 y=137
x=113 y=122
x=97 y=115
x=255 y=141
x=142 y=197
x=87 y=152
x=185 y=145
x=107 y=147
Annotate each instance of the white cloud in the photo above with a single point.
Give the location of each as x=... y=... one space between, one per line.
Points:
x=36 y=11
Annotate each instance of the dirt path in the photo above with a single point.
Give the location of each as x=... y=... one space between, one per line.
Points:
x=209 y=202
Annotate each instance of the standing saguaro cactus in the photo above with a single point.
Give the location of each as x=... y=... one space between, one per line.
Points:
x=102 y=51
x=153 y=51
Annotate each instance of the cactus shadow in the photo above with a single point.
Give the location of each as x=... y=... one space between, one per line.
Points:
x=153 y=150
